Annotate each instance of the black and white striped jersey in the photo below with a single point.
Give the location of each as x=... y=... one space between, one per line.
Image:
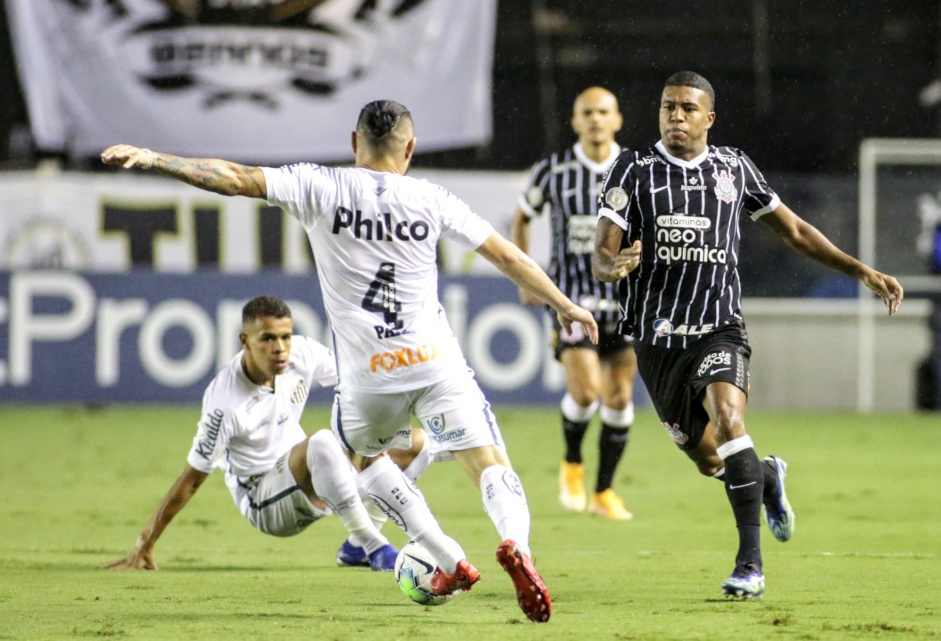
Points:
x=568 y=184
x=686 y=215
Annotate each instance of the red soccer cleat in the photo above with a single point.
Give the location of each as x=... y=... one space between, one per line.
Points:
x=464 y=576
x=531 y=592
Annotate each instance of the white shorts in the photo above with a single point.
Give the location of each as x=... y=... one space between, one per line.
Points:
x=453 y=412
x=275 y=504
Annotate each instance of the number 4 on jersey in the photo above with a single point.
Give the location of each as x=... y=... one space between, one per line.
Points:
x=380 y=299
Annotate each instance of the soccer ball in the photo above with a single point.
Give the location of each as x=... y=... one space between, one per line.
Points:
x=414 y=568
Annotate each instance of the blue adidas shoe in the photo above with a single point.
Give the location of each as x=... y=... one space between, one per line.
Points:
x=744 y=584
x=351 y=556
x=778 y=511
x=383 y=559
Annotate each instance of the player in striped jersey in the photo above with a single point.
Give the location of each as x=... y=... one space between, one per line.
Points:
x=669 y=233
x=567 y=184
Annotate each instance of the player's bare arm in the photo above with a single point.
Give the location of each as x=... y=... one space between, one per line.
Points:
x=803 y=237
x=609 y=262
x=211 y=174
x=519 y=233
x=524 y=271
x=142 y=556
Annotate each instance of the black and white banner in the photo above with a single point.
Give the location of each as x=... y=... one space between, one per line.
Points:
x=264 y=81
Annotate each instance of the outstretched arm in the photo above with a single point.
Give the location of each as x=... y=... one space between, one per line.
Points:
x=523 y=271
x=609 y=262
x=142 y=556
x=519 y=233
x=803 y=237
x=219 y=176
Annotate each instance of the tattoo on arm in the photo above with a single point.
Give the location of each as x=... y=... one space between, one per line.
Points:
x=211 y=174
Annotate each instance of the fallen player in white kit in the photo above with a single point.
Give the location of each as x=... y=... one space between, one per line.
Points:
x=281 y=479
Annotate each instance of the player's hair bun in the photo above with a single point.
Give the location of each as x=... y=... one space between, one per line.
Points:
x=380 y=117
x=380 y=123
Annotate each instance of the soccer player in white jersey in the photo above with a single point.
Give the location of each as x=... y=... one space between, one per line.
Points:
x=669 y=231
x=281 y=479
x=374 y=233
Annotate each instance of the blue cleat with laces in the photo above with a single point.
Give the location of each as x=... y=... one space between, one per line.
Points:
x=383 y=559
x=744 y=584
x=778 y=511
x=351 y=556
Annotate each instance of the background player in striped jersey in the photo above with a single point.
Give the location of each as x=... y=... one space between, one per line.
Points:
x=374 y=233
x=281 y=479
x=602 y=375
x=670 y=230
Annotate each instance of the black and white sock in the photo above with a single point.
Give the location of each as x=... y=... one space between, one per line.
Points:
x=744 y=485
x=615 y=435
x=575 y=420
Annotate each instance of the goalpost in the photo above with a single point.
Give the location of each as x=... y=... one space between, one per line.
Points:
x=876 y=153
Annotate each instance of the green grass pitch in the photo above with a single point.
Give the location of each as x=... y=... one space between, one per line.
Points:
x=865 y=562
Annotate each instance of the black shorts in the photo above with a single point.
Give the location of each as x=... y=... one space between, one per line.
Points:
x=610 y=342
x=676 y=378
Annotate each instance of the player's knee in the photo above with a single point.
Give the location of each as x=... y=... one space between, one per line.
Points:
x=583 y=395
x=323 y=449
x=478 y=459
x=617 y=399
x=402 y=458
x=363 y=463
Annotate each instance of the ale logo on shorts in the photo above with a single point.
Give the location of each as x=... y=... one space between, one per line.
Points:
x=725 y=186
x=436 y=424
x=674 y=431
x=662 y=327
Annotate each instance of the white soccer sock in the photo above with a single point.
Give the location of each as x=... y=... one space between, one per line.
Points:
x=505 y=504
x=618 y=418
x=420 y=463
x=404 y=504
x=376 y=515
x=334 y=481
x=575 y=412
x=734 y=446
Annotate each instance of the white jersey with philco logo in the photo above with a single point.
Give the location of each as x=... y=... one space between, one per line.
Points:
x=245 y=427
x=375 y=238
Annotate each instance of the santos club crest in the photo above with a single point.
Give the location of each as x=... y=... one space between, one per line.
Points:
x=253 y=51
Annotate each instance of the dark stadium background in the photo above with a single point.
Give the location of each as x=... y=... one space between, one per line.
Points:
x=799 y=84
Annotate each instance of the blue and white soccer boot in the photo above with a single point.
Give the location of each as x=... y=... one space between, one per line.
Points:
x=352 y=556
x=744 y=584
x=383 y=559
x=778 y=511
